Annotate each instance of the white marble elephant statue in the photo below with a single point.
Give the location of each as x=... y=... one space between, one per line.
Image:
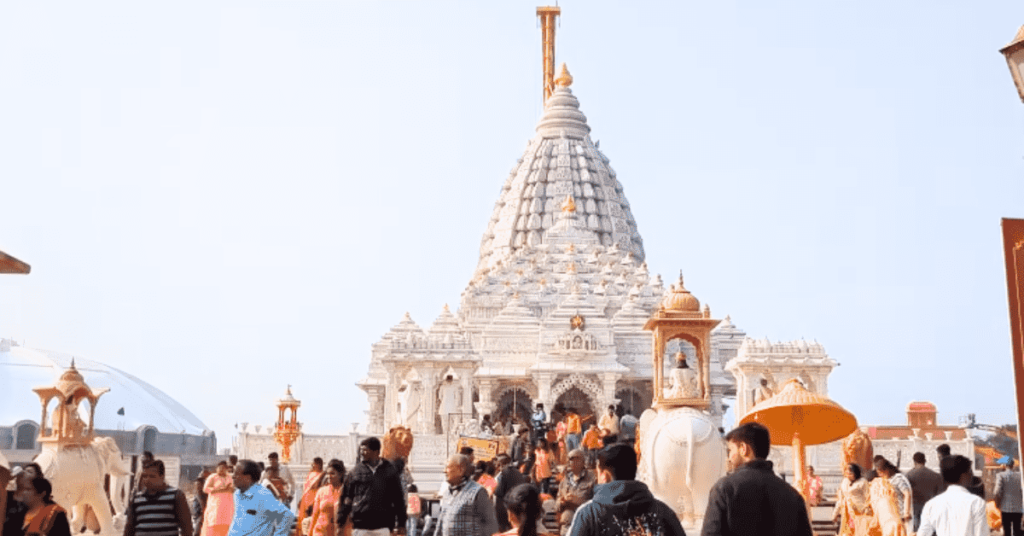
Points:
x=77 y=474
x=682 y=456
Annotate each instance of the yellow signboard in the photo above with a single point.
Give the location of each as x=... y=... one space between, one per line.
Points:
x=483 y=449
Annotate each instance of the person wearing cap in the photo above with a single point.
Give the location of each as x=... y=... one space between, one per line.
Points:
x=576 y=488
x=1008 y=498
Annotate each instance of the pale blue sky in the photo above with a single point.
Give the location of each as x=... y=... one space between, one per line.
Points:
x=225 y=197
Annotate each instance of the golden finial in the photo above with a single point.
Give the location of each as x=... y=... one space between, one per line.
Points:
x=569 y=205
x=446 y=308
x=547 y=15
x=564 y=78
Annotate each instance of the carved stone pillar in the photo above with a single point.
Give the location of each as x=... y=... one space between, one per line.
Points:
x=467 y=394
x=716 y=405
x=375 y=424
x=391 y=401
x=608 y=383
x=429 y=414
x=486 y=405
x=543 y=381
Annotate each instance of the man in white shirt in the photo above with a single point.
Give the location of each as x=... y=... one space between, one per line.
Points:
x=956 y=510
x=609 y=425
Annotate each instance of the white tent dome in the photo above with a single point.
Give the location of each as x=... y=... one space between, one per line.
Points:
x=22 y=369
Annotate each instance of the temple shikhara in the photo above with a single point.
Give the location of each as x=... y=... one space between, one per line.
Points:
x=555 y=310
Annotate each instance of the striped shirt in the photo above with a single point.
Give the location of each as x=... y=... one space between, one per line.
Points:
x=156 y=514
x=902 y=486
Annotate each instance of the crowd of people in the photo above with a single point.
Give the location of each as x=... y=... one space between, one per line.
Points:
x=881 y=500
x=585 y=489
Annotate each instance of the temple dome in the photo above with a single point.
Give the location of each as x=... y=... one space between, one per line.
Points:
x=679 y=299
x=23 y=369
x=560 y=162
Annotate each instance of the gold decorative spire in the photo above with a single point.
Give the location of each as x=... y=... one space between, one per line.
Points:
x=564 y=78
x=547 y=15
x=569 y=205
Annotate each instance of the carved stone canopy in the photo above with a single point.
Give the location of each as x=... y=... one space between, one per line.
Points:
x=680 y=317
x=69 y=391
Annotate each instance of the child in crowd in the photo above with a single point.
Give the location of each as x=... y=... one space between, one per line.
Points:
x=412 y=511
x=591 y=444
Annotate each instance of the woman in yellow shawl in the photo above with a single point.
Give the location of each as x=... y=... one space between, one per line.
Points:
x=885 y=506
x=853 y=506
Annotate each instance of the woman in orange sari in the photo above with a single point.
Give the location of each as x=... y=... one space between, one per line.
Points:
x=853 y=506
x=220 y=502
x=316 y=474
x=326 y=501
x=44 y=517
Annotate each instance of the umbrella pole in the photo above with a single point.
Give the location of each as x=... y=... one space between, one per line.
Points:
x=799 y=466
x=800 y=472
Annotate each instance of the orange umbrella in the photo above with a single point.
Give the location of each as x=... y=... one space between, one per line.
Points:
x=798 y=417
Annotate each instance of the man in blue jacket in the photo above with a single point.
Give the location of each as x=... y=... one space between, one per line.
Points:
x=622 y=505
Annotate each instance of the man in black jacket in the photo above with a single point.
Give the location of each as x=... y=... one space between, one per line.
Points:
x=508 y=478
x=372 y=495
x=752 y=500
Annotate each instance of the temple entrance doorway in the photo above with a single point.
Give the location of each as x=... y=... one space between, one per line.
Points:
x=632 y=401
x=574 y=397
x=515 y=402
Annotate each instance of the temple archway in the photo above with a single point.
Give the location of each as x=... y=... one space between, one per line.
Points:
x=574 y=397
x=514 y=402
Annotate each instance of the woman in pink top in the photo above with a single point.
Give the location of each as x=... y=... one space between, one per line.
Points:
x=560 y=435
x=220 y=502
x=814 y=486
x=326 y=499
